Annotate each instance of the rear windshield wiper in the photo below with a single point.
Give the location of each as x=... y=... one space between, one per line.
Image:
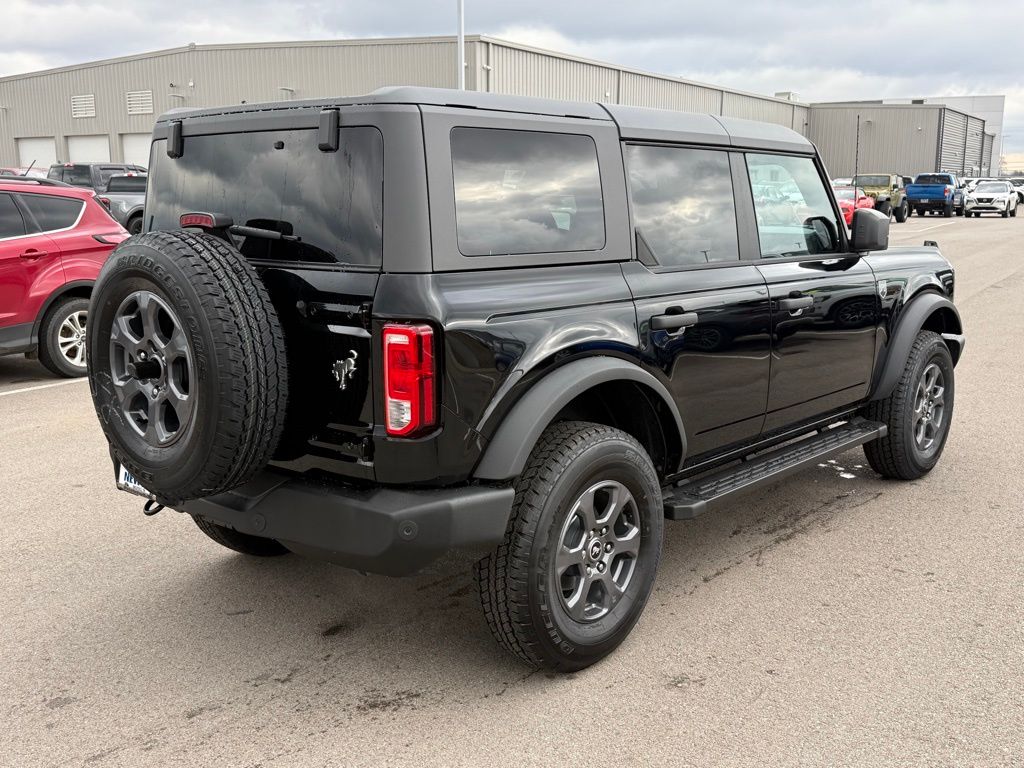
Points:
x=265 y=234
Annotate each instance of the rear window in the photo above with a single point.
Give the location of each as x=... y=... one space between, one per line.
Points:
x=78 y=176
x=871 y=181
x=932 y=178
x=52 y=213
x=127 y=184
x=330 y=202
x=526 y=192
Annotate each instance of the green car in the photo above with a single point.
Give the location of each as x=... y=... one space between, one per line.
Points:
x=889 y=193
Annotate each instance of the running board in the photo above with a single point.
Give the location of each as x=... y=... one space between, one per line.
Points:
x=693 y=498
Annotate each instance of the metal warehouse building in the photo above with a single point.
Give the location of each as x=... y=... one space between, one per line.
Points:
x=105 y=110
x=900 y=138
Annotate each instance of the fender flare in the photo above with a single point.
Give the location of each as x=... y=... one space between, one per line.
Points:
x=53 y=298
x=507 y=452
x=911 y=321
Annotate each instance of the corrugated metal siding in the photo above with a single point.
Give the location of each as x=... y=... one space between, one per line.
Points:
x=39 y=105
x=975 y=144
x=953 y=141
x=801 y=118
x=894 y=139
x=986 y=156
x=646 y=91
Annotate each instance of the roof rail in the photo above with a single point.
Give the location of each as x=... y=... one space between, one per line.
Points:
x=34 y=180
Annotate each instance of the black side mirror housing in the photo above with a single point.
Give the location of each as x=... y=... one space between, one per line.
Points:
x=870 y=231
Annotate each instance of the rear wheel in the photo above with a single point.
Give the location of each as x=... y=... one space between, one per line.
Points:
x=134 y=225
x=62 y=337
x=903 y=212
x=581 y=550
x=240 y=542
x=947 y=211
x=917 y=413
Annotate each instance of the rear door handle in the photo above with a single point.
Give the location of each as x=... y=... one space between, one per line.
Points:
x=31 y=254
x=796 y=302
x=673 y=320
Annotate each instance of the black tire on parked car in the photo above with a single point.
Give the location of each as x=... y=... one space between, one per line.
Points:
x=581 y=550
x=187 y=364
x=1006 y=214
x=920 y=211
x=947 y=210
x=884 y=207
x=240 y=542
x=918 y=412
x=62 y=338
x=134 y=225
x=1013 y=213
x=903 y=212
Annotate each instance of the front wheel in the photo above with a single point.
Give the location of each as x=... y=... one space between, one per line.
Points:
x=918 y=413
x=903 y=212
x=581 y=549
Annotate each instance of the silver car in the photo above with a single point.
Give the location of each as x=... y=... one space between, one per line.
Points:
x=124 y=198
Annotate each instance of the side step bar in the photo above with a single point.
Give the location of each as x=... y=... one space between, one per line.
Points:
x=695 y=497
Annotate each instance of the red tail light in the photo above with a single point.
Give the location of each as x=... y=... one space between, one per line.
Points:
x=196 y=220
x=949 y=190
x=410 y=394
x=105 y=202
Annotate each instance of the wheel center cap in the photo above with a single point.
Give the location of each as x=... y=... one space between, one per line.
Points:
x=596 y=548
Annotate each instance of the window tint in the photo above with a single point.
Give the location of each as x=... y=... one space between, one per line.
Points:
x=11 y=223
x=52 y=213
x=127 y=184
x=526 y=192
x=794 y=213
x=683 y=204
x=107 y=171
x=933 y=178
x=78 y=176
x=332 y=202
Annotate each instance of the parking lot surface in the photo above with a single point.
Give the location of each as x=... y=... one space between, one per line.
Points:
x=833 y=619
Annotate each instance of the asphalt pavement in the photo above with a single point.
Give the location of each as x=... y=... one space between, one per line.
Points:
x=833 y=619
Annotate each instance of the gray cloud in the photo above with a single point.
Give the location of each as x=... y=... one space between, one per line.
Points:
x=823 y=50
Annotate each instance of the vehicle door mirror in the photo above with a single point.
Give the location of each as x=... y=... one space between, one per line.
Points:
x=870 y=231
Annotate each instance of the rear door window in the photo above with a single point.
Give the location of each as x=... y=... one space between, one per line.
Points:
x=683 y=204
x=328 y=205
x=52 y=213
x=520 y=192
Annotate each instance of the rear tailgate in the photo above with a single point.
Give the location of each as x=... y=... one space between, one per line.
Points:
x=926 y=192
x=314 y=234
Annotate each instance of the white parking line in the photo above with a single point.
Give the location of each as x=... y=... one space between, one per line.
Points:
x=41 y=386
x=915 y=231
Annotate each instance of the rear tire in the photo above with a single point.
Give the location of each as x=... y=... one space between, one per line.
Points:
x=947 y=211
x=134 y=225
x=918 y=413
x=581 y=549
x=62 y=339
x=240 y=542
x=903 y=212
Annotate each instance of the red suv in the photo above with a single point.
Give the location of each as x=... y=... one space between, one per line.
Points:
x=53 y=240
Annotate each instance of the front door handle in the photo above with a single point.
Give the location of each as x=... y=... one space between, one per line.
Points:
x=31 y=254
x=796 y=302
x=673 y=320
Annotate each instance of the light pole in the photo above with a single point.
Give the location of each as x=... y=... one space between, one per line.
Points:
x=461 y=58
x=856 y=156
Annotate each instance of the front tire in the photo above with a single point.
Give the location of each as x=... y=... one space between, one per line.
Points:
x=62 y=337
x=581 y=549
x=903 y=212
x=918 y=413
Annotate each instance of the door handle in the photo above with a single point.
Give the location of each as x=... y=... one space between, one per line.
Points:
x=31 y=254
x=673 y=320
x=796 y=302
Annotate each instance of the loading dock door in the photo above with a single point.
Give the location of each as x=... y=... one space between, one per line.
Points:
x=135 y=148
x=89 y=149
x=43 y=150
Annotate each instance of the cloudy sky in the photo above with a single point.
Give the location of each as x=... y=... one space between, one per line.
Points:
x=822 y=49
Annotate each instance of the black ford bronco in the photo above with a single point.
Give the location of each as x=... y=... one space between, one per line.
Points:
x=375 y=329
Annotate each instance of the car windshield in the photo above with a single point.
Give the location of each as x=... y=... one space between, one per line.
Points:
x=992 y=187
x=872 y=181
x=932 y=178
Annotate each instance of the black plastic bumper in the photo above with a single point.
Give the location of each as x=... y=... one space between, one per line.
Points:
x=937 y=204
x=382 y=530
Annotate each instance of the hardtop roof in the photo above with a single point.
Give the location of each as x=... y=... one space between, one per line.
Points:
x=638 y=123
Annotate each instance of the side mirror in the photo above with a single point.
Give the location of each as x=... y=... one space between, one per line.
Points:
x=870 y=231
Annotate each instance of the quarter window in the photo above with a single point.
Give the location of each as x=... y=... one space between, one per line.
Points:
x=11 y=223
x=52 y=213
x=794 y=213
x=683 y=204
x=526 y=192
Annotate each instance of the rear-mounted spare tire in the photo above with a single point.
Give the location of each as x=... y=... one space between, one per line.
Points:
x=187 y=364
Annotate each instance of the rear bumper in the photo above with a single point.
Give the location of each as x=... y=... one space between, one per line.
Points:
x=381 y=530
x=929 y=204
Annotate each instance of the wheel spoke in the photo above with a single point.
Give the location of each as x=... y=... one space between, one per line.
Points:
x=175 y=347
x=182 y=404
x=577 y=604
x=612 y=591
x=628 y=543
x=566 y=558
x=585 y=509
x=79 y=354
x=148 y=310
